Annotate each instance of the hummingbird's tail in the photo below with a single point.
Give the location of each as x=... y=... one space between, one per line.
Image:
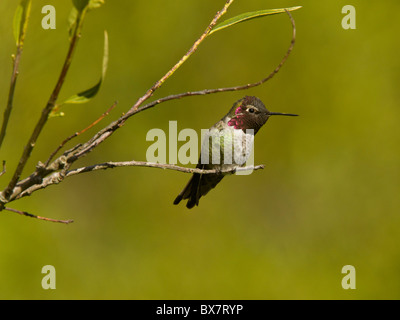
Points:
x=198 y=186
x=190 y=192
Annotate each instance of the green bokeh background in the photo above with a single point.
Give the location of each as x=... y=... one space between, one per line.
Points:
x=328 y=197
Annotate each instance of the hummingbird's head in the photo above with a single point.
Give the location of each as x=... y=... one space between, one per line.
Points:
x=250 y=113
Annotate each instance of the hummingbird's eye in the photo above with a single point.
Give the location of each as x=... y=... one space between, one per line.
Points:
x=251 y=110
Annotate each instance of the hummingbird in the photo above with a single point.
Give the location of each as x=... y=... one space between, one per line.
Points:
x=236 y=130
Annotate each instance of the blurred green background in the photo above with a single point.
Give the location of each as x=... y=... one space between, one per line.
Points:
x=328 y=197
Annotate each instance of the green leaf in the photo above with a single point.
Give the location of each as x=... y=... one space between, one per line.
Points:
x=80 y=4
x=93 y=4
x=20 y=22
x=72 y=21
x=248 y=16
x=17 y=23
x=88 y=94
x=78 y=12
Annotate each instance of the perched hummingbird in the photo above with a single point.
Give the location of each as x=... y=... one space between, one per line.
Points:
x=236 y=130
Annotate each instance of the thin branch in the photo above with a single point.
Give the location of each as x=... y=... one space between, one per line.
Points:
x=14 y=76
x=194 y=47
x=16 y=60
x=27 y=214
x=58 y=177
x=79 y=133
x=45 y=112
x=236 y=88
x=110 y=165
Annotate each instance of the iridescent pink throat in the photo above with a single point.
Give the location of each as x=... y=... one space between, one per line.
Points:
x=238 y=120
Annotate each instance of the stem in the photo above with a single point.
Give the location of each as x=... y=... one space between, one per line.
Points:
x=58 y=177
x=15 y=72
x=27 y=214
x=79 y=133
x=7 y=111
x=110 y=165
x=46 y=111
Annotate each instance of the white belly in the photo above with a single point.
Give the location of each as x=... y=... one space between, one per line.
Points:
x=228 y=147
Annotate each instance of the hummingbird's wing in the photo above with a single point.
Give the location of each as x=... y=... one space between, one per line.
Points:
x=200 y=184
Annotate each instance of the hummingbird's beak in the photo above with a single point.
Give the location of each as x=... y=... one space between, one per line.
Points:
x=282 y=114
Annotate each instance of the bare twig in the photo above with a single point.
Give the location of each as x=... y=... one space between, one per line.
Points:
x=14 y=76
x=110 y=165
x=58 y=177
x=79 y=133
x=27 y=214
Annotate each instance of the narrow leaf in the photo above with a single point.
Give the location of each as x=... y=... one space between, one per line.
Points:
x=20 y=22
x=80 y=4
x=88 y=94
x=248 y=16
x=78 y=11
x=93 y=4
x=72 y=19
x=17 y=23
